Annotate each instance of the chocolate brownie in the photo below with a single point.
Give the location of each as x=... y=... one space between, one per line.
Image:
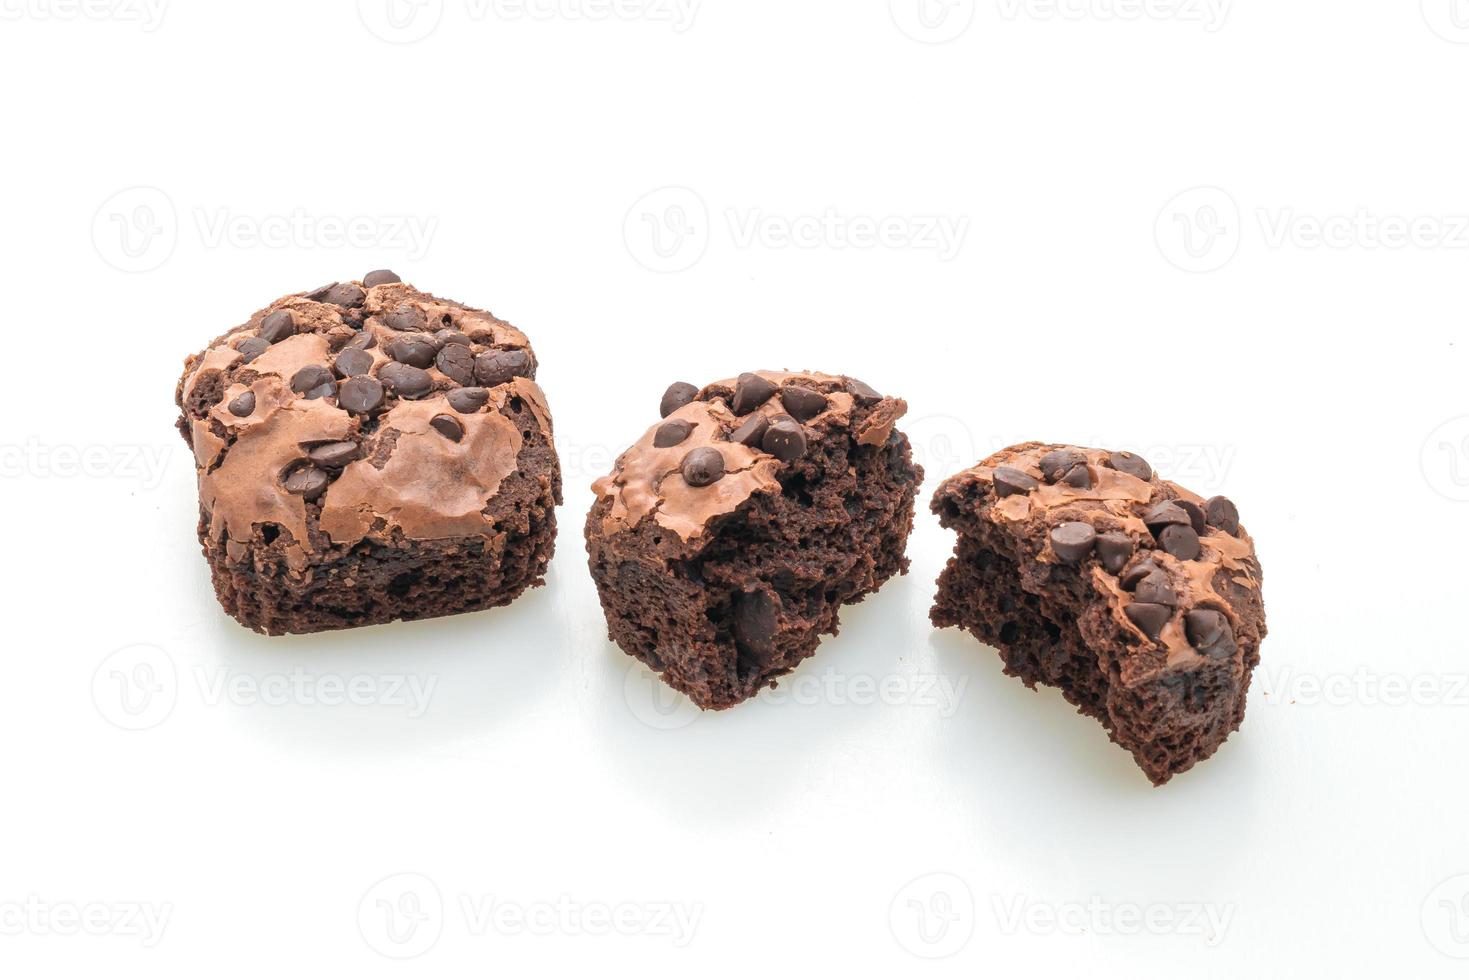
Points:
x=726 y=540
x=365 y=453
x=1138 y=599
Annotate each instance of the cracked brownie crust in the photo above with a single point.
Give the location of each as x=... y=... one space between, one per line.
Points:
x=1138 y=599
x=726 y=540
x=367 y=452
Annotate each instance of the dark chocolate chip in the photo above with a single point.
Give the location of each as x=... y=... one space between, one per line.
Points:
x=448 y=426
x=405 y=380
x=671 y=433
x=456 y=362
x=416 y=350
x=751 y=431
x=1079 y=476
x=345 y=294
x=319 y=293
x=242 y=404
x=379 y=277
x=1155 y=587
x=1073 y=540
x=1223 y=514
x=803 y=403
x=1058 y=462
x=253 y=348
x=679 y=394
x=751 y=391
x=352 y=362
x=277 y=326
x=497 y=367
x=863 y=393
x=405 y=318
x=1131 y=464
x=1164 y=513
x=703 y=466
x=468 y=400
x=448 y=336
x=1150 y=617
x=324 y=390
x=307 y=481
x=1137 y=573
x=360 y=395
x=334 y=455
x=1009 y=480
x=365 y=340
x=309 y=378
x=1195 y=514
x=784 y=439
x=1181 y=541
x=1209 y=632
x=1114 y=548
x=755 y=622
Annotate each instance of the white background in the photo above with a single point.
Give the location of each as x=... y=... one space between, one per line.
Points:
x=1230 y=237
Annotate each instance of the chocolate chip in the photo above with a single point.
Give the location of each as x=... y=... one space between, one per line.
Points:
x=365 y=340
x=405 y=318
x=755 y=622
x=1223 y=514
x=679 y=394
x=1009 y=480
x=319 y=293
x=334 y=455
x=468 y=400
x=277 y=326
x=1058 y=462
x=1114 y=548
x=306 y=481
x=345 y=294
x=352 y=362
x=1079 y=476
x=784 y=439
x=751 y=391
x=242 y=404
x=457 y=363
x=751 y=431
x=1073 y=540
x=803 y=403
x=862 y=393
x=1209 y=632
x=1155 y=587
x=360 y=395
x=1150 y=617
x=671 y=433
x=1131 y=464
x=499 y=366
x=1137 y=573
x=309 y=378
x=1195 y=514
x=405 y=380
x=1164 y=513
x=703 y=466
x=1181 y=541
x=379 y=277
x=448 y=426
x=416 y=350
x=253 y=348
x=449 y=336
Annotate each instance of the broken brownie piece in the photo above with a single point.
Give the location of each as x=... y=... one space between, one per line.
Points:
x=726 y=540
x=367 y=452
x=1139 y=600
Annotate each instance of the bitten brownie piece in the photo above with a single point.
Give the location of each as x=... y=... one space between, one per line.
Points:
x=727 y=539
x=1138 y=599
x=367 y=452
